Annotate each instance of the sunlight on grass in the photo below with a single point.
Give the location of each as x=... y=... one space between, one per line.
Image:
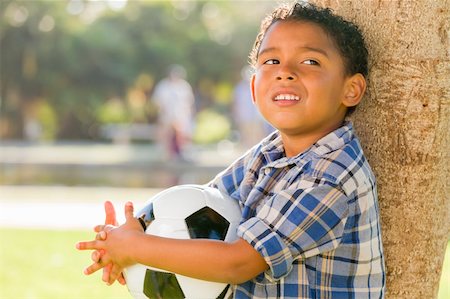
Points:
x=45 y=264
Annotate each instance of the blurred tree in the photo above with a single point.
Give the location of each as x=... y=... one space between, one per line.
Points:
x=77 y=55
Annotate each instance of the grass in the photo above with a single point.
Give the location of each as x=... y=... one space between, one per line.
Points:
x=44 y=264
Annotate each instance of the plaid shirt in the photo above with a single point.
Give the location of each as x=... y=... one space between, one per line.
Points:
x=313 y=217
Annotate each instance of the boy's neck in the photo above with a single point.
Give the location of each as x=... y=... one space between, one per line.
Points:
x=295 y=144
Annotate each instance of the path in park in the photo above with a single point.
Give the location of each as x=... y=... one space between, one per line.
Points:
x=61 y=207
x=57 y=205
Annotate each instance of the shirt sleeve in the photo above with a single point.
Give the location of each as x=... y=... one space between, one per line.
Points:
x=297 y=223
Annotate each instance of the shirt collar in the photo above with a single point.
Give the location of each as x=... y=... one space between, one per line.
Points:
x=273 y=150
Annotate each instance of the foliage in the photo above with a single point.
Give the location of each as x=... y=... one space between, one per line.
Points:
x=112 y=111
x=46 y=116
x=78 y=55
x=211 y=127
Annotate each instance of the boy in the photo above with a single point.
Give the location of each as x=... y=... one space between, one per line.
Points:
x=310 y=220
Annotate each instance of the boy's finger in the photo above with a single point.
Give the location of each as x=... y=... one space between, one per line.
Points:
x=114 y=274
x=101 y=236
x=121 y=279
x=97 y=255
x=129 y=211
x=110 y=213
x=89 y=245
x=99 y=228
x=105 y=228
x=92 y=268
x=107 y=273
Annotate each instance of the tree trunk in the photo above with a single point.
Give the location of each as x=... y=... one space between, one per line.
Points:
x=403 y=124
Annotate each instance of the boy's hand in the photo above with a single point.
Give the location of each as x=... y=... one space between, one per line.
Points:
x=110 y=219
x=111 y=271
x=112 y=242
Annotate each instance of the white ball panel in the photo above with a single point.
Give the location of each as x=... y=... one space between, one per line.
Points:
x=232 y=232
x=134 y=277
x=200 y=289
x=179 y=203
x=169 y=228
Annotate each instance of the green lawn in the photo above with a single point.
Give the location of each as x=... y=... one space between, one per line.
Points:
x=41 y=264
x=44 y=264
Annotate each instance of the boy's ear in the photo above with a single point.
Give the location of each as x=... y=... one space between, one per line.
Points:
x=356 y=87
x=252 y=88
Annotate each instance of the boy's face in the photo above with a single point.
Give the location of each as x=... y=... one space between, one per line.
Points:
x=299 y=85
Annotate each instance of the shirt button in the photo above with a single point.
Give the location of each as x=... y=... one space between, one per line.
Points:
x=267 y=171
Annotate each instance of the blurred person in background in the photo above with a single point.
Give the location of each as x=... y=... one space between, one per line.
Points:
x=250 y=124
x=175 y=101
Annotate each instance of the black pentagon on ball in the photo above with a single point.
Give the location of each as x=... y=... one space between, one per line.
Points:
x=207 y=224
x=165 y=285
x=162 y=285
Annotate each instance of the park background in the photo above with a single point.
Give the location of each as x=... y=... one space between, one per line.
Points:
x=75 y=72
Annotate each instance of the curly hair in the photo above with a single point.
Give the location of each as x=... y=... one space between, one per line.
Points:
x=346 y=36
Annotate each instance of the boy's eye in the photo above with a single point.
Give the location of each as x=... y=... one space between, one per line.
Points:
x=310 y=62
x=272 y=61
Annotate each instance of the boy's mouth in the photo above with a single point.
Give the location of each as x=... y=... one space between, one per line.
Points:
x=287 y=97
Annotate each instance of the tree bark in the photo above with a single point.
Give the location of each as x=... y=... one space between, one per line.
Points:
x=403 y=123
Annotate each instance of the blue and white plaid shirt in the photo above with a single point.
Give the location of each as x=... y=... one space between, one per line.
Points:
x=313 y=217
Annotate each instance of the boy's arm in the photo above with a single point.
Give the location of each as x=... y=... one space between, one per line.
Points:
x=203 y=259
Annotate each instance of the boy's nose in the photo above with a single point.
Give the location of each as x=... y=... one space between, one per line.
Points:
x=288 y=77
x=286 y=74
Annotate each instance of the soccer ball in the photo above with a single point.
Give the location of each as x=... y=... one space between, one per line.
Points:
x=184 y=212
